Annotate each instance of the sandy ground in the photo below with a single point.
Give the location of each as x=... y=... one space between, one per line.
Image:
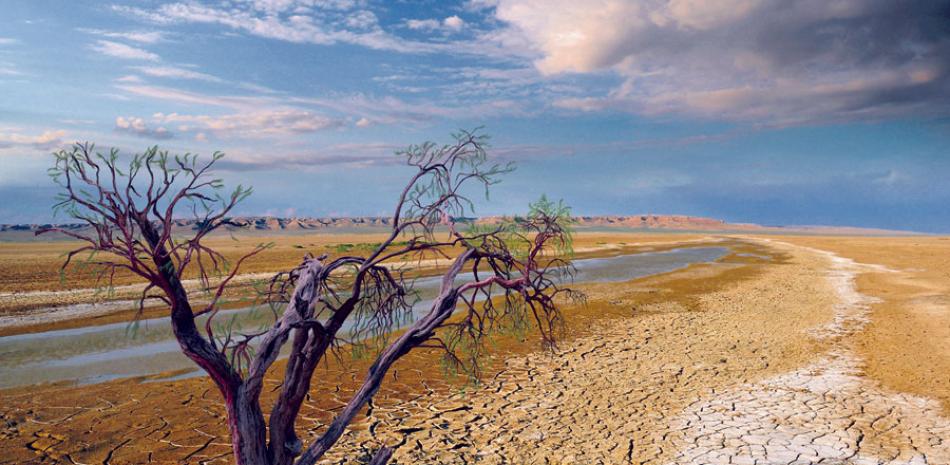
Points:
x=763 y=371
x=780 y=354
x=906 y=344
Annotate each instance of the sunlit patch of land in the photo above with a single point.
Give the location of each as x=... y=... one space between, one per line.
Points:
x=906 y=344
x=638 y=356
x=420 y=374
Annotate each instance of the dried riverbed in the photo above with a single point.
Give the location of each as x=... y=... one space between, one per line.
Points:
x=745 y=361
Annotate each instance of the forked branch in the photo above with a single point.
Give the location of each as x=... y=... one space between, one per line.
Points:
x=510 y=273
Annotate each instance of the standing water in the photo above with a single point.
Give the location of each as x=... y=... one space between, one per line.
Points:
x=99 y=353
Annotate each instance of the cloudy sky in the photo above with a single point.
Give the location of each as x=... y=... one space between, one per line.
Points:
x=769 y=111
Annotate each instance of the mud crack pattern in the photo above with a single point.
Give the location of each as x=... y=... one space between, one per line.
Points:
x=825 y=413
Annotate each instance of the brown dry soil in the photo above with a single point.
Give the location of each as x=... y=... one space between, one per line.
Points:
x=159 y=421
x=667 y=369
x=906 y=345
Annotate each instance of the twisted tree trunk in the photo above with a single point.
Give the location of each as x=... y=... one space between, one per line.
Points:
x=132 y=219
x=245 y=419
x=246 y=422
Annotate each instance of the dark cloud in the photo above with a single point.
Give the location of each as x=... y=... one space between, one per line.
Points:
x=772 y=61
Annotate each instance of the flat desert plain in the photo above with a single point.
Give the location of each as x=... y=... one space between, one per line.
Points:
x=785 y=350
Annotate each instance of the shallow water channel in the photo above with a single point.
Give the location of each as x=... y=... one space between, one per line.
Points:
x=99 y=353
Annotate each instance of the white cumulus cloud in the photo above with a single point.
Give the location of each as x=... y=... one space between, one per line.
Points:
x=47 y=140
x=138 y=127
x=450 y=24
x=422 y=24
x=454 y=23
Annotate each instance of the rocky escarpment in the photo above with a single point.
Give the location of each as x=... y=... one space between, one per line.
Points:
x=251 y=223
x=651 y=221
x=268 y=223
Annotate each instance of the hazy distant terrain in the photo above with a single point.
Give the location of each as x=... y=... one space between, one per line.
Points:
x=268 y=224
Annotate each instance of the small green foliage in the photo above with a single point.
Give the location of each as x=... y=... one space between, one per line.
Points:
x=442 y=169
x=560 y=214
x=363 y=247
x=343 y=248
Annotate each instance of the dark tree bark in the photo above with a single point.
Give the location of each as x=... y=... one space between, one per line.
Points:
x=513 y=268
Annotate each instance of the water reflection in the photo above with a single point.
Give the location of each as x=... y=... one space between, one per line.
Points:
x=99 y=353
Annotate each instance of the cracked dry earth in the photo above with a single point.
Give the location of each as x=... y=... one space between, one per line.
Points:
x=625 y=396
x=691 y=368
x=823 y=413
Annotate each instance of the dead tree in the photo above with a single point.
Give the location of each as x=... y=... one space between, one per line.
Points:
x=503 y=274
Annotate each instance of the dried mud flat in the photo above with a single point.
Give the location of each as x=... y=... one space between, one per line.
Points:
x=726 y=363
x=825 y=412
x=655 y=390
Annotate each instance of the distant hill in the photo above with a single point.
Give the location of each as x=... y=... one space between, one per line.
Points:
x=640 y=222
